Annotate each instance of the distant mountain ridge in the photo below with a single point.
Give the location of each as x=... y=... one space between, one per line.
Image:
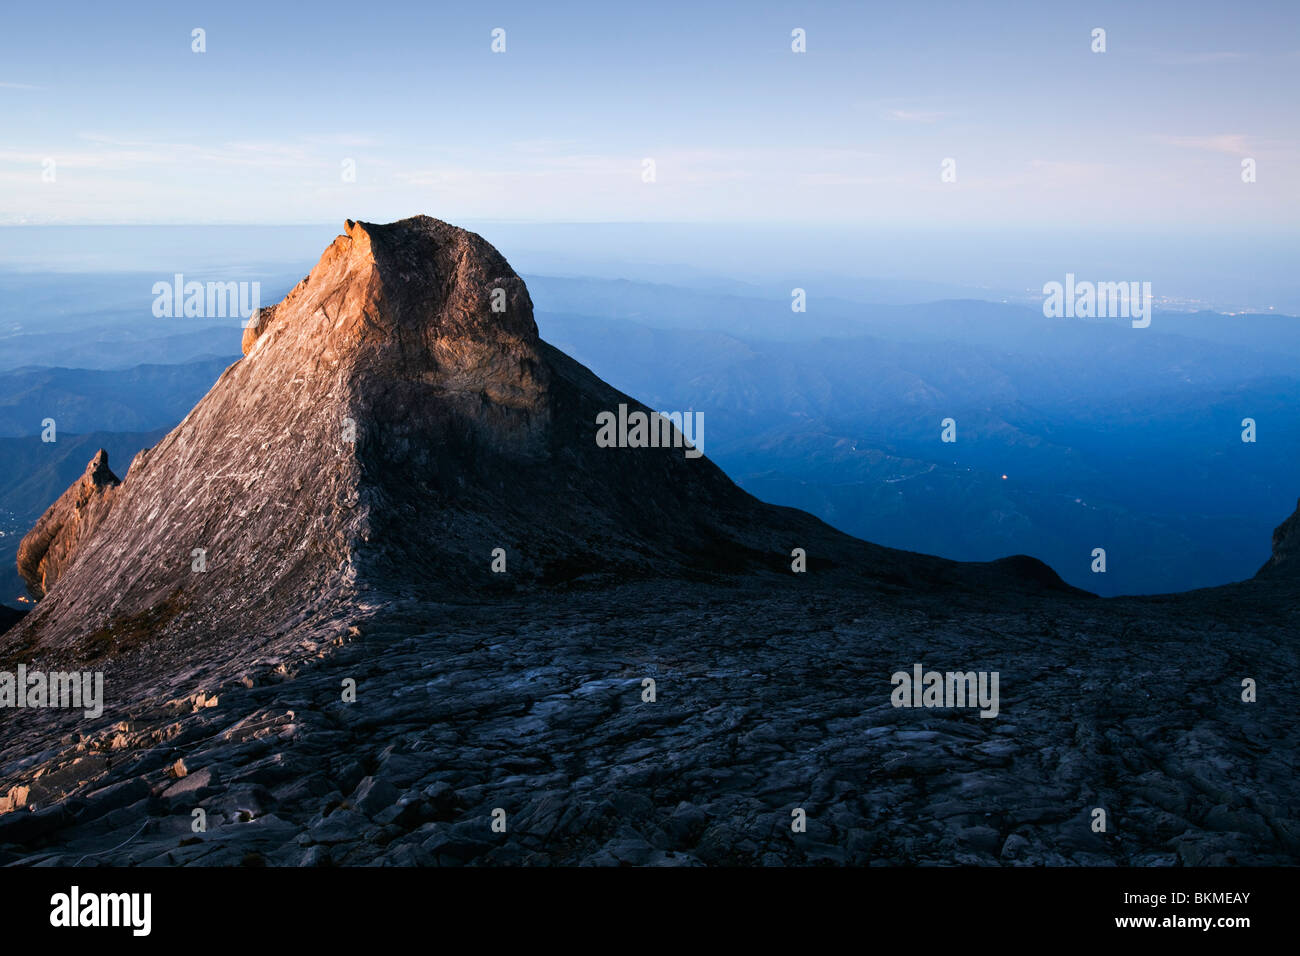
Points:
x=79 y=400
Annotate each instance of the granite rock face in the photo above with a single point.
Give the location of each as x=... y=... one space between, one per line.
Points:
x=254 y=516
x=48 y=549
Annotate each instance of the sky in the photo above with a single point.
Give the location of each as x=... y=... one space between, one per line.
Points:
x=1047 y=136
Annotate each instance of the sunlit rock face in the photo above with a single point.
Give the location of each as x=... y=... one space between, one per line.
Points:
x=49 y=547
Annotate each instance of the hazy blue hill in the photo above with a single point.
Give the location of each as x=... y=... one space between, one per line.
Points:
x=105 y=320
x=117 y=348
x=1109 y=436
x=673 y=307
x=1264 y=332
x=81 y=400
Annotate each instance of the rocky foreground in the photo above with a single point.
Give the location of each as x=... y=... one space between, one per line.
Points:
x=764 y=703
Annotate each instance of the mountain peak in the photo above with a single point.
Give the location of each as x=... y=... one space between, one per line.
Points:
x=417 y=312
x=416 y=277
x=397 y=431
x=48 y=548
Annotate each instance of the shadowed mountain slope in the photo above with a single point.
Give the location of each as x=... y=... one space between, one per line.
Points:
x=1285 y=560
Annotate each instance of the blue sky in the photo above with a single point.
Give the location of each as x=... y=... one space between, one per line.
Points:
x=1045 y=133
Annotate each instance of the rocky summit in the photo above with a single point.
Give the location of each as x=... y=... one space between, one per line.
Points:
x=383 y=598
x=48 y=547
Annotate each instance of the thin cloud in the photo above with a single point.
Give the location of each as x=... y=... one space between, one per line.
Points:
x=1182 y=58
x=109 y=152
x=916 y=116
x=343 y=139
x=1232 y=143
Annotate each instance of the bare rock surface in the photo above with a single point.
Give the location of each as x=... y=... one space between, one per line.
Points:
x=765 y=701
